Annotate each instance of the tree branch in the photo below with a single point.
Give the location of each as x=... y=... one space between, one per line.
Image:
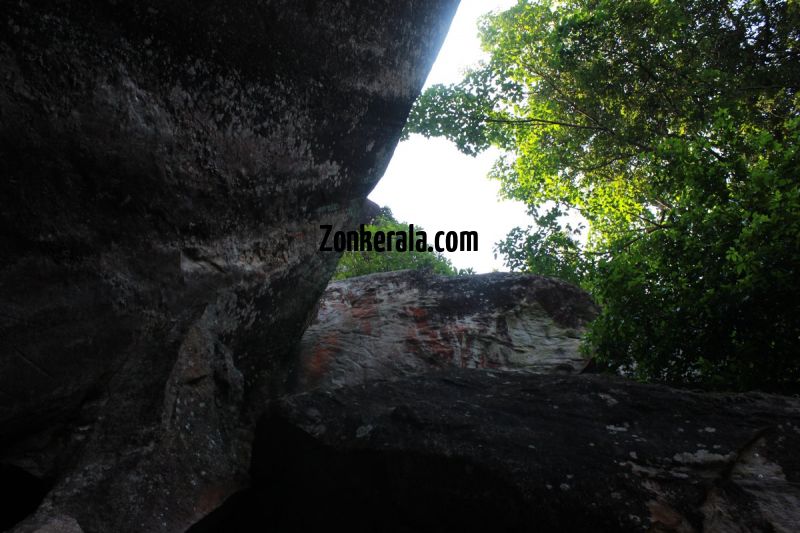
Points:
x=543 y=121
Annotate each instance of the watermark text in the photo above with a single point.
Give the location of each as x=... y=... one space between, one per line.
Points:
x=412 y=240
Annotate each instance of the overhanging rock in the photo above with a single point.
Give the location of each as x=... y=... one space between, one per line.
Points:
x=165 y=169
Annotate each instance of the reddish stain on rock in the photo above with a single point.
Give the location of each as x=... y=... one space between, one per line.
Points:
x=393 y=324
x=320 y=360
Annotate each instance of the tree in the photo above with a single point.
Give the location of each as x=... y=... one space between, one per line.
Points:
x=673 y=128
x=354 y=264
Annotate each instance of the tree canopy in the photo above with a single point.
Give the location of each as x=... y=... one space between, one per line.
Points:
x=672 y=128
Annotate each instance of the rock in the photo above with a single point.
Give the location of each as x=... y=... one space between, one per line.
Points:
x=165 y=169
x=393 y=324
x=482 y=450
x=369 y=213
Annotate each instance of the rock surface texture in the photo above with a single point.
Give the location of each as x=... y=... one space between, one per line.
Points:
x=393 y=324
x=482 y=450
x=165 y=169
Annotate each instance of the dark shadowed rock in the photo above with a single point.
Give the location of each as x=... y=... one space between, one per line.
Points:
x=370 y=212
x=393 y=324
x=478 y=450
x=165 y=169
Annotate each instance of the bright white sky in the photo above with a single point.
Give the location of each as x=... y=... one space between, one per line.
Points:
x=431 y=184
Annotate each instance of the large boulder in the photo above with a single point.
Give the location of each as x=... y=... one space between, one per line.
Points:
x=165 y=169
x=483 y=450
x=389 y=325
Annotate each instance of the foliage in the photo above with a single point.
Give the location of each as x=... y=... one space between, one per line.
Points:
x=367 y=262
x=549 y=248
x=673 y=128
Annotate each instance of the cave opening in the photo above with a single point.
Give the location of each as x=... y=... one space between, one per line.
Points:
x=23 y=492
x=300 y=485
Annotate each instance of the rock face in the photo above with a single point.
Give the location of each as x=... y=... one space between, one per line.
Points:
x=165 y=168
x=393 y=324
x=479 y=450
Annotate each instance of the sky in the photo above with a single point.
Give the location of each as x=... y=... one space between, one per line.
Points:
x=429 y=183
